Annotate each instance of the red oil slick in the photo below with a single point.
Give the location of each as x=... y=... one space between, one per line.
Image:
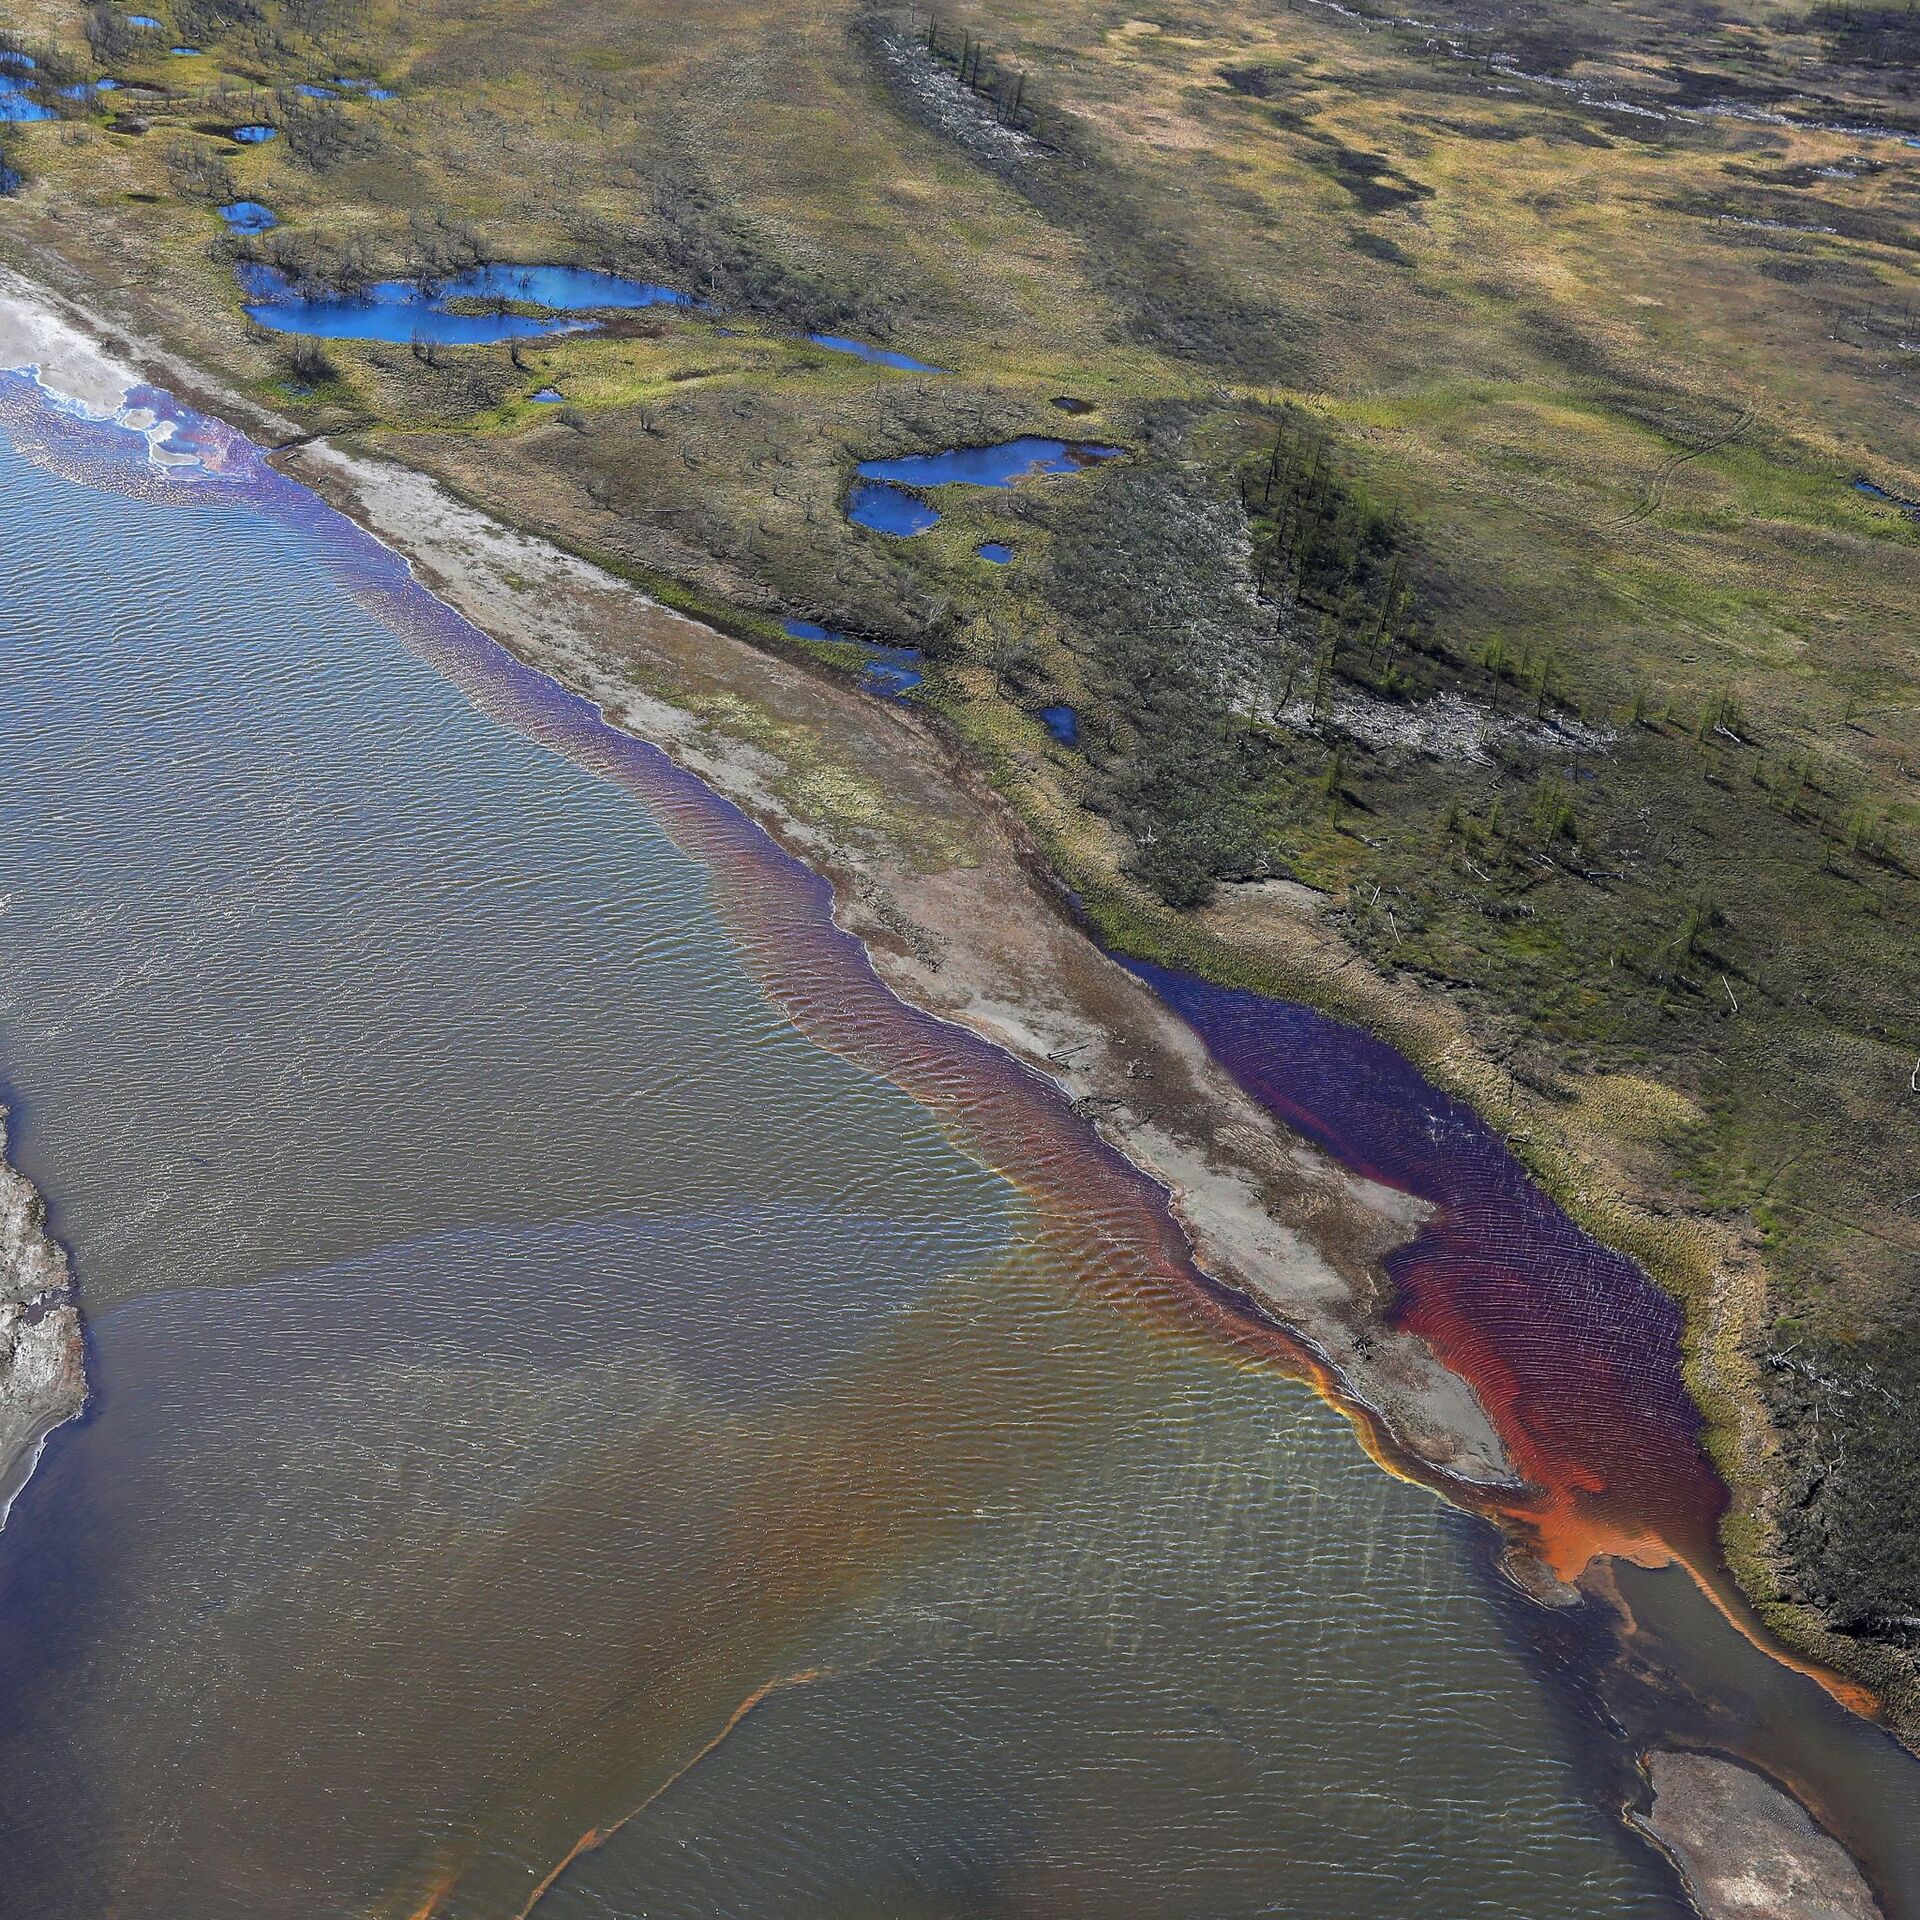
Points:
x=1574 y=1352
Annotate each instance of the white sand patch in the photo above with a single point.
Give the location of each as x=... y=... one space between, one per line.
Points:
x=76 y=372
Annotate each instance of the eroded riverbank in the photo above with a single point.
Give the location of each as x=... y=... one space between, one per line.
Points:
x=934 y=881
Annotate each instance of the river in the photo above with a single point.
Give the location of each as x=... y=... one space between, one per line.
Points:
x=597 y=1406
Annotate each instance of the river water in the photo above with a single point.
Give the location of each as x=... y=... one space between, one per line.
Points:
x=597 y=1407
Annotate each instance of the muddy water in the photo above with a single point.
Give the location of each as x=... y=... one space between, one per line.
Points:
x=598 y=1408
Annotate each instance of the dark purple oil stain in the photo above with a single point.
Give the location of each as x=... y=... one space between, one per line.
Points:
x=1573 y=1350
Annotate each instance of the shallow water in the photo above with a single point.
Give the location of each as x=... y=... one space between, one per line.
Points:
x=17 y=105
x=995 y=466
x=892 y=670
x=1876 y=492
x=874 y=356
x=406 y=310
x=1063 y=723
x=539 y=1388
x=879 y=498
x=888 y=671
x=889 y=509
x=249 y=216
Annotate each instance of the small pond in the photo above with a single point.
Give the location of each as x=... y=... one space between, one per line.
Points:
x=141 y=20
x=548 y=396
x=251 y=136
x=892 y=670
x=1874 y=492
x=403 y=310
x=308 y=91
x=17 y=105
x=880 y=499
x=1063 y=723
x=889 y=509
x=565 y=289
x=995 y=550
x=874 y=356
x=248 y=216
x=184 y=53
x=998 y=466
x=889 y=671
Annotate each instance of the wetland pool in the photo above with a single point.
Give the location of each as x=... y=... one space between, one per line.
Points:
x=880 y=496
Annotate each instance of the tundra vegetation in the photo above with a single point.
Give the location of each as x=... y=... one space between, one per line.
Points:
x=1489 y=558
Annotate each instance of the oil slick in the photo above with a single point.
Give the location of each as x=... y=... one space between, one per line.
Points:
x=846 y=1495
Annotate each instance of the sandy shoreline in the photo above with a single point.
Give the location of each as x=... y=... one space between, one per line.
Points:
x=929 y=870
x=931 y=875
x=1745 y=1850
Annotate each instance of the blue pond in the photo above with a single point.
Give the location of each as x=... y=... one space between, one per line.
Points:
x=16 y=105
x=875 y=356
x=548 y=396
x=248 y=216
x=891 y=671
x=406 y=310
x=565 y=289
x=185 y=53
x=141 y=20
x=889 y=509
x=997 y=466
x=308 y=91
x=995 y=550
x=252 y=135
x=883 y=503
x=1063 y=723
x=1899 y=500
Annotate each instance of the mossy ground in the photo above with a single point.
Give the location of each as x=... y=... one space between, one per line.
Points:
x=1609 y=356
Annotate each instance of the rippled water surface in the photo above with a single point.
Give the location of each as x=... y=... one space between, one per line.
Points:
x=546 y=1396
